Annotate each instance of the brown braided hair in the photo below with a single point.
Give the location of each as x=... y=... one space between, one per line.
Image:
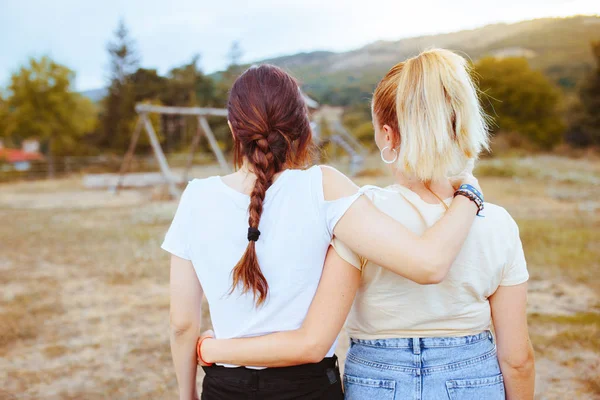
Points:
x=271 y=131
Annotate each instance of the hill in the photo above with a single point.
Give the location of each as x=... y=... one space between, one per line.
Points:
x=558 y=46
x=95 y=94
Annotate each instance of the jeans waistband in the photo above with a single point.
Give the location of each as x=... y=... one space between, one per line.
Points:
x=319 y=368
x=425 y=342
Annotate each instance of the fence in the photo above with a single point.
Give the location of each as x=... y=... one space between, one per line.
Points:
x=71 y=165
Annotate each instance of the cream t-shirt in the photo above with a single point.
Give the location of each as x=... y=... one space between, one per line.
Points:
x=390 y=306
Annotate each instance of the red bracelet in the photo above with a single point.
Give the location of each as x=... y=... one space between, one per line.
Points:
x=199 y=353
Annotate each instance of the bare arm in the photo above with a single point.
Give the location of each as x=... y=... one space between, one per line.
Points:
x=515 y=352
x=308 y=344
x=376 y=236
x=185 y=313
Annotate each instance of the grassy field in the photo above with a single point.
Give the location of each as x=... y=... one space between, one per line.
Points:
x=84 y=301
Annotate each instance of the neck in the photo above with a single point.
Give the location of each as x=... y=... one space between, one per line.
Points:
x=245 y=167
x=441 y=187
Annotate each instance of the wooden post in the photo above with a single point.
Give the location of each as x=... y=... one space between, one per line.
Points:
x=213 y=143
x=190 y=161
x=160 y=156
x=339 y=128
x=144 y=123
x=129 y=155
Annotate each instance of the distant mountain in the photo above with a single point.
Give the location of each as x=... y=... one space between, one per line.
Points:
x=95 y=94
x=558 y=46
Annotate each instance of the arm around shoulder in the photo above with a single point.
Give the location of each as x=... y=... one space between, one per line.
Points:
x=379 y=238
x=307 y=344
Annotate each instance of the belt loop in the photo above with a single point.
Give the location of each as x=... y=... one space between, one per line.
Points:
x=416 y=345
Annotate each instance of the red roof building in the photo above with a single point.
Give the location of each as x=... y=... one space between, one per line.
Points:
x=13 y=156
x=28 y=153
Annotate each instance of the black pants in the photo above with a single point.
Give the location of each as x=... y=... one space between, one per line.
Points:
x=308 y=381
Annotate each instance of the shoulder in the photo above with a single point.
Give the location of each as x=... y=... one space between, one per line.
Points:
x=497 y=213
x=376 y=193
x=335 y=184
x=200 y=184
x=197 y=188
x=500 y=219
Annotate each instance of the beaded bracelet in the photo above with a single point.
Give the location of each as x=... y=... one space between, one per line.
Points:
x=473 y=197
x=473 y=189
x=476 y=199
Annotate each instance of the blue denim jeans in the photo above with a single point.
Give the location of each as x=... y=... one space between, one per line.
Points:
x=454 y=368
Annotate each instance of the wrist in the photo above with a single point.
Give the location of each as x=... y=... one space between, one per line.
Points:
x=466 y=200
x=206 y=350
x=473 y=194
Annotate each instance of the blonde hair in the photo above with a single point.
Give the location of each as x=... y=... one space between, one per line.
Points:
x=431 y=102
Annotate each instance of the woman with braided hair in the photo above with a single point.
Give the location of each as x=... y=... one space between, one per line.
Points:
x=255 y=243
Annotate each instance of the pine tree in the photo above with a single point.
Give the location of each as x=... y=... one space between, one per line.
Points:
x=118 y=105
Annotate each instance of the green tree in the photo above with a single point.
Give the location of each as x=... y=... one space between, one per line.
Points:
x=42 y=105
x=147 y=84
x=4 y=115
x=118 y=105
x=521 y=100
x=586 y=130
x=187 y=86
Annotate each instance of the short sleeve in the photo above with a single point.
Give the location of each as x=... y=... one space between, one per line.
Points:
x=335 y=210
x=332 y=211
x=346 y=254
x=515 y=271
x=177 y=238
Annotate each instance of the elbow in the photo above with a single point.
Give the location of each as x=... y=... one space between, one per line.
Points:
x=313 y=356
x=433 y=278
x=183 y=323
x=520 y=364
x=312 y=351
x=434 y=272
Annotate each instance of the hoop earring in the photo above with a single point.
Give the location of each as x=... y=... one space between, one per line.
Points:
x=395 y=155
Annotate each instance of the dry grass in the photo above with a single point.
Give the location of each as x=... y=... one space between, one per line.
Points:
x=84 y=301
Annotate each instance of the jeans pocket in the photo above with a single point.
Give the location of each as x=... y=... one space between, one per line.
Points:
x=489 y=388
x=356 y=388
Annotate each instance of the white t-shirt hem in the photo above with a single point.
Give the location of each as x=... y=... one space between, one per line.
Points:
x=514 y=282
x=175 y=252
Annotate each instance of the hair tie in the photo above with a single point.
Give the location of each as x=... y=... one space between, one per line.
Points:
x=253 y=234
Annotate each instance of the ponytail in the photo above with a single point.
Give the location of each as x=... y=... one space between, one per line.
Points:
x=436 y=112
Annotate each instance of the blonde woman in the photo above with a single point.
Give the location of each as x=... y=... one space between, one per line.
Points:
x=411 y=341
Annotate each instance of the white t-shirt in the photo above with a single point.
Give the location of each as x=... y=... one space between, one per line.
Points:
x=390 y=306
x=210 y=228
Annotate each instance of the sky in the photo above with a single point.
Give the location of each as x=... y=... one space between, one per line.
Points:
x=169 y=33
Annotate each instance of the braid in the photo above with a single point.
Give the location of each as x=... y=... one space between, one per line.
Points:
x=264 y=165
